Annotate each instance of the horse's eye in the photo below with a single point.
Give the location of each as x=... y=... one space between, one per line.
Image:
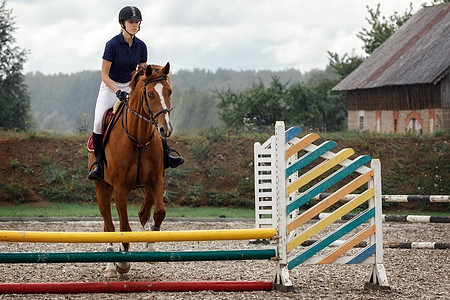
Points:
x=150 y=95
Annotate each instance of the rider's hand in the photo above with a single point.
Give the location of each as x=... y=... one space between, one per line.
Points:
x=123 y=96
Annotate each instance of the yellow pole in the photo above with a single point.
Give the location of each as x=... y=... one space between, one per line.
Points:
x=134 y=237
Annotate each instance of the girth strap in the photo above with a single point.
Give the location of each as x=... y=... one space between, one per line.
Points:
x=139 y=167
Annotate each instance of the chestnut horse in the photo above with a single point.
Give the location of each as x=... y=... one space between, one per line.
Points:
x=134 y=154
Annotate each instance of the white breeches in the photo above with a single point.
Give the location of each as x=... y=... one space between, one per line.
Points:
x=106 y=99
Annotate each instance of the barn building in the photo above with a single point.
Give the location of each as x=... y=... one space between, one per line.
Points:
x=404 y=85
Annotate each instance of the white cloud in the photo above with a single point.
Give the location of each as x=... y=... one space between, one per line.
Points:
x=68 y=36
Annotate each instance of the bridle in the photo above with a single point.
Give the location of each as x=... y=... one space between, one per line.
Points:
x=144 y=95
x=152 y=121
x=145 y=100
x=152 y=116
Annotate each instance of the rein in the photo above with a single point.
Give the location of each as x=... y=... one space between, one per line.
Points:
x=151 y=121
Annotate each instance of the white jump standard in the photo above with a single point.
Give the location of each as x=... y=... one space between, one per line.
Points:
x=282 y=187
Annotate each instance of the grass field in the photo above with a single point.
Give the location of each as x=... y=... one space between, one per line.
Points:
x=91 y=210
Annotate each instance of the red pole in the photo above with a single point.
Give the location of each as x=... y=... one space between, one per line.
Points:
x=132 y=287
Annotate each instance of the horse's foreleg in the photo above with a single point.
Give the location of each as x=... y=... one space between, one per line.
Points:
x=104 y=192
x=121 y=199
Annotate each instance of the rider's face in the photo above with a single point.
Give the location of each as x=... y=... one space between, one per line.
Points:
x=132 y=26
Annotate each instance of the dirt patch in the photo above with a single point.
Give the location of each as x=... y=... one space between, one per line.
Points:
x=43 y=169
x=22 y=164
x=412 y=274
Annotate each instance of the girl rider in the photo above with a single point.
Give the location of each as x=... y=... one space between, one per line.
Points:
x=123 y=53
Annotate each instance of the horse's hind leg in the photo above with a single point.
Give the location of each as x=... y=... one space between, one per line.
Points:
x=146 y=208
x=144 y=215
x=104 y=192
x=153 y=196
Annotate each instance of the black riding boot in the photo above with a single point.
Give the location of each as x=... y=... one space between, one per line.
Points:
x=169 y=160
x=97 y=173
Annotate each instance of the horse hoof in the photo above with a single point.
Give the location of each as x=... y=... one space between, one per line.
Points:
x=111 y=273
x=123 y=267
x=150 y=247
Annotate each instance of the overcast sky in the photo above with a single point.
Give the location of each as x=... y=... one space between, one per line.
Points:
x=69 y=36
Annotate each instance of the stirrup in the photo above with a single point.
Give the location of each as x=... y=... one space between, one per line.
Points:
x=94 y=176
x=173 y=161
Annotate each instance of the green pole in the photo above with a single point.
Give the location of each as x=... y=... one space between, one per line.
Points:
x=136 y=256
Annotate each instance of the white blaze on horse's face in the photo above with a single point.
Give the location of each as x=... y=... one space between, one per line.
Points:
x=164 y=130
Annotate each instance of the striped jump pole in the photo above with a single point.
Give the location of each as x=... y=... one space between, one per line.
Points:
x=136 y=237
x=133 y=287
x=397 y=198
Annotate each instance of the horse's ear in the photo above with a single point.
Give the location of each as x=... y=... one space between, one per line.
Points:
x=148 y=71
x=166 y=69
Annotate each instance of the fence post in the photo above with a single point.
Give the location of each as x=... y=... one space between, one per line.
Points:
x=377 y=278
x=282 y=281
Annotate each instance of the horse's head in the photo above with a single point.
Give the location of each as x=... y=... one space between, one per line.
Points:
x=152 y=85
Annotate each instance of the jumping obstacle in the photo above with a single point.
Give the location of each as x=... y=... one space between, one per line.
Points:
x=133 y=287
x=130 y=256
x=398 y=198
x=289 y=172
x=135 y=236
x=397 y=218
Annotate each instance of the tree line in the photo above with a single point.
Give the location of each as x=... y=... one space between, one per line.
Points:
x=65 y=103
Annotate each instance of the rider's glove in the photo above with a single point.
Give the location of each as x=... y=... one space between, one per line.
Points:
x=123 y=96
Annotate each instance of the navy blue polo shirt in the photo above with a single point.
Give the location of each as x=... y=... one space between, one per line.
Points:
x=124 y=58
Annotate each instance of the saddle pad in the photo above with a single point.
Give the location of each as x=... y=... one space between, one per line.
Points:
x=108 y=117
x=90 y=144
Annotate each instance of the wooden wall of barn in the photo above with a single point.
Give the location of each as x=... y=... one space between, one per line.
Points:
x=403 y=97
x=394 y=109
x=445 y=91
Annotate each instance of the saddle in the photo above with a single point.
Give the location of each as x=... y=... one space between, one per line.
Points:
x=109 y=120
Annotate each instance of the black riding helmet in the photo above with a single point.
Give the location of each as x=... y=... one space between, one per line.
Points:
x=129 y=13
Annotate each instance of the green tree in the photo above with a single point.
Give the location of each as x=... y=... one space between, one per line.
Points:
x=380 y=29
x=345 y=64
x=256 y=107
x=14 y=98
x=259 y=107
x=330 y=111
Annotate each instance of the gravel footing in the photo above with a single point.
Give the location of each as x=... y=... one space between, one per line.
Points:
x=412 y=273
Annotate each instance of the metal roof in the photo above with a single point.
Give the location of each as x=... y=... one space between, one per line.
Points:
x=417 y=53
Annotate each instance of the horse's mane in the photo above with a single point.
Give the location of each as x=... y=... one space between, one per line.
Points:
x=141 y=70
x=136 y=75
